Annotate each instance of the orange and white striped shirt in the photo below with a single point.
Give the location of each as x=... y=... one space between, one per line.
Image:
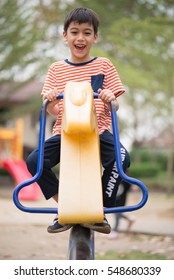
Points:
x=99 y=71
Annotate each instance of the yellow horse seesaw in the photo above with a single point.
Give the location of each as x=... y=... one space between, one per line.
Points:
x=80 y=169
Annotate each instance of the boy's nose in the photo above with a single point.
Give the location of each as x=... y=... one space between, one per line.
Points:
x=80 y=36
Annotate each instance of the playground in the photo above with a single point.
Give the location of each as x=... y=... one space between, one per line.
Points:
x=24 y=236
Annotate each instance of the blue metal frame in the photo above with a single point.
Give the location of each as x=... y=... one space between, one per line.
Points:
x=121 y=172
x=40 y=168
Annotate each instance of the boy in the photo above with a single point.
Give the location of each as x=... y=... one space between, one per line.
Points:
x=80 y=33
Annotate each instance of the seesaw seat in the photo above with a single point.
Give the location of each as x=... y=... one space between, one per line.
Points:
x=80 y=188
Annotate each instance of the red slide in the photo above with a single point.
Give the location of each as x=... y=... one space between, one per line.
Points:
x=19 y=171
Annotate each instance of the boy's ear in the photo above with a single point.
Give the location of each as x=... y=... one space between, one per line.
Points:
x=64 y=35
x=95 y=38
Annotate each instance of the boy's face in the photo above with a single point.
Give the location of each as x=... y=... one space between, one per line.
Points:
x=80 y=38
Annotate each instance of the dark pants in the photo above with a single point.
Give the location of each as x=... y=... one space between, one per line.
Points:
x=48 y=182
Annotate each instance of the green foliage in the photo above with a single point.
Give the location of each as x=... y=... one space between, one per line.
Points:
x=142 y=49
x=18 y=38
x=151 y=167
x=28 y=30
x=110 y=10
x=25 y=40
x=159 y=183
x=140 y=156
x=144 y=170
x=148 y=163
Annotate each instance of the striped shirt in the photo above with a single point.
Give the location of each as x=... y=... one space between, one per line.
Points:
x=99 y=71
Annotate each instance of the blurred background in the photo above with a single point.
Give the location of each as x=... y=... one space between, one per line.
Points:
x=138 y=37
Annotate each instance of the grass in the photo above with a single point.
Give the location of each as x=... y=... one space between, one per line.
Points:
x=135 y=255
x=159 y=183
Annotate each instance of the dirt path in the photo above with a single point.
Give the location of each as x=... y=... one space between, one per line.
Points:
x=32 y=242
x=24 y=235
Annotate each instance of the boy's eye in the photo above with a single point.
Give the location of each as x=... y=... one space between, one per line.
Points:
x=86 y=33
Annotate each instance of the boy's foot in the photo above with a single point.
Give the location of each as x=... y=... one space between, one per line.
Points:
x=103 y=227
x=56 y=227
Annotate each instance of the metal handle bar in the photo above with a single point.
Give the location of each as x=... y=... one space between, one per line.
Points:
x=40 y=167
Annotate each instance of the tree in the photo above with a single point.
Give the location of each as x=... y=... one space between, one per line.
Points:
x=25 y=41
x=150 y=57
x=18 y=39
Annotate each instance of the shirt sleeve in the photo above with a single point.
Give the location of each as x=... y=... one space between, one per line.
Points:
x=112 y=80
x=50 y=81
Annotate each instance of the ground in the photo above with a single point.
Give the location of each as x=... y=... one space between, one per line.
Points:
x=24 y=236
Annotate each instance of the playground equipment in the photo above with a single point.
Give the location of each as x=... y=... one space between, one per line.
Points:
x=81 y=242
x=11 y=159
x=11 y=142
x=80 y=157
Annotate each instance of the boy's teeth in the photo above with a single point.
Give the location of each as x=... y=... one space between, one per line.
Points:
x=80 y=47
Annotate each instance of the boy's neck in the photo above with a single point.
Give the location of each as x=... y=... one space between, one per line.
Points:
x=78 y=61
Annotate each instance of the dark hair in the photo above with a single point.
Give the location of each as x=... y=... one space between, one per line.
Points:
x=82 y=15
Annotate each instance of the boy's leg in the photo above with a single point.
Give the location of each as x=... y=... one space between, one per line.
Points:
x=111 y=179
x=48 y=181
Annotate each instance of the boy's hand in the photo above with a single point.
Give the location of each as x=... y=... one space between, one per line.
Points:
x=51 y=94
x=106 y=95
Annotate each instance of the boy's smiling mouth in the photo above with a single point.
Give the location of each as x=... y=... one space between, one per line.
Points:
x=80 y=47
